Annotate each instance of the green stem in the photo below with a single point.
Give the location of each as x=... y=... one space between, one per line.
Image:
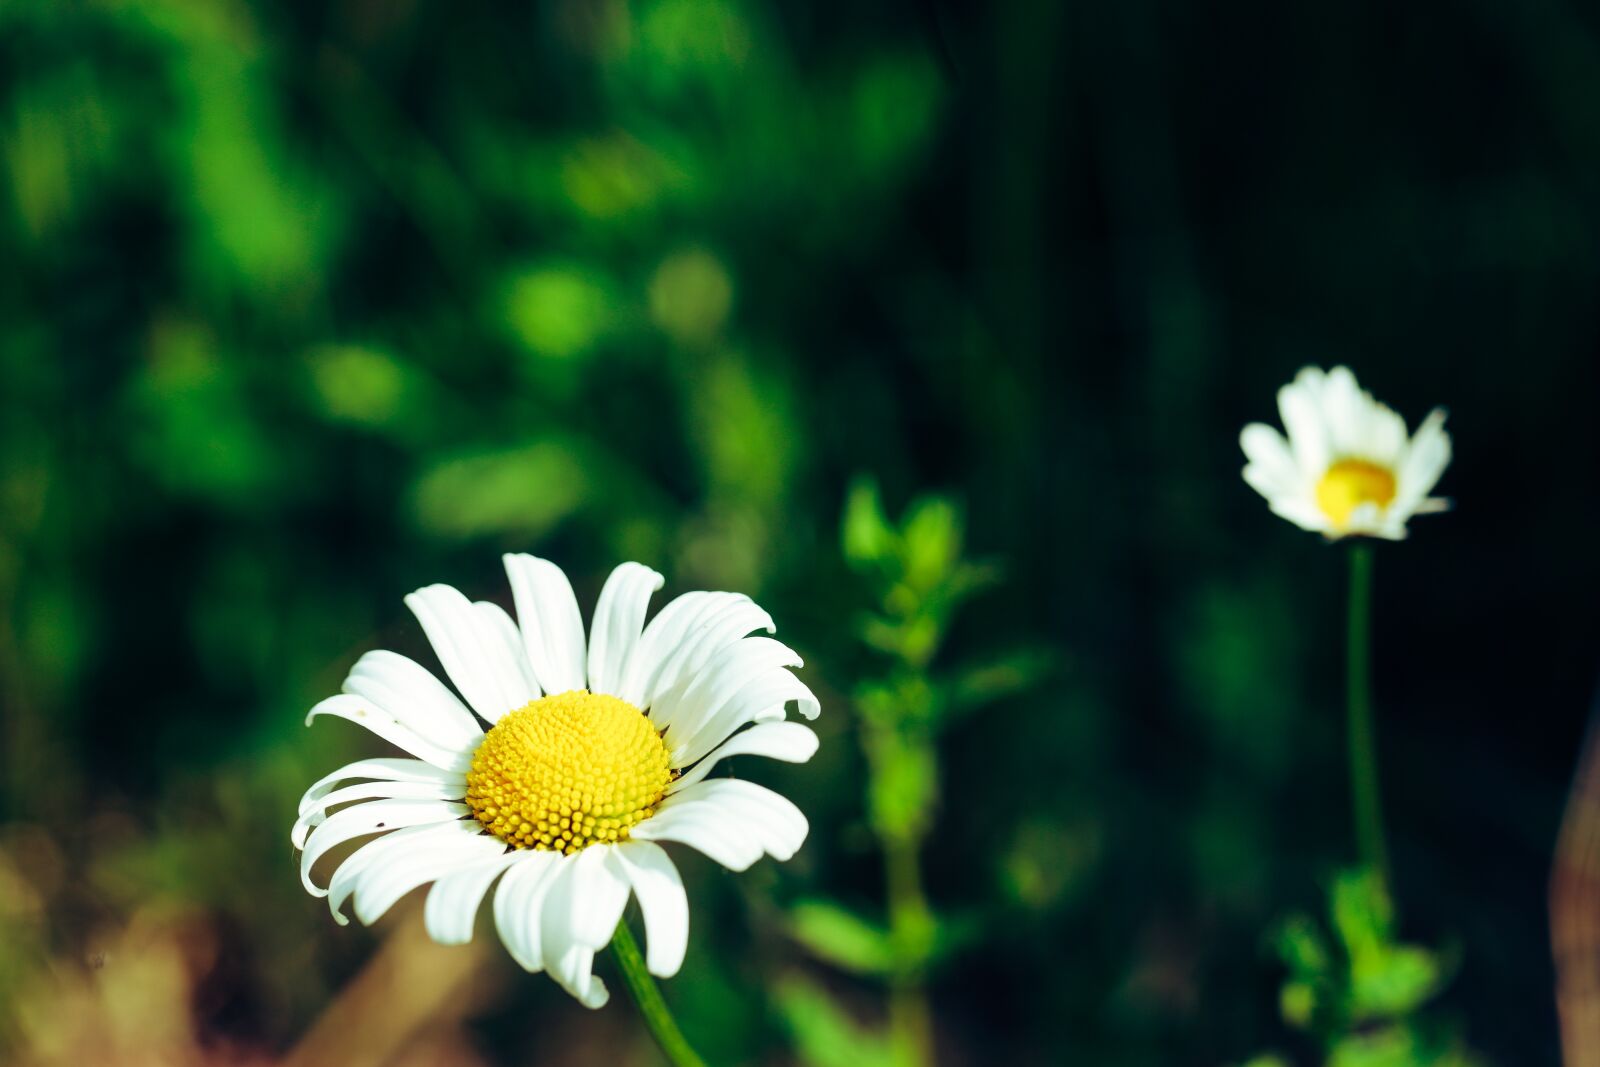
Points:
x=1362 y=732
x=663 y=1027
x=910 y=1020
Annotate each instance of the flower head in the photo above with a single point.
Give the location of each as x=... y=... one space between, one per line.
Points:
x=1348 y=467
x=594 y=752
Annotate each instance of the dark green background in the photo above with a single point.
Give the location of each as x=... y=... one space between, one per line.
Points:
x=304 y=305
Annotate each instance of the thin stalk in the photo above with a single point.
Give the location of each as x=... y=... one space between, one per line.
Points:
x=910 y=1021
x=663 y=1027
x=1364 y=794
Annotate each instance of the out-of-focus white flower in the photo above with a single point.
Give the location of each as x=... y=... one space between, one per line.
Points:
x=594 y=752
x=1348 y=467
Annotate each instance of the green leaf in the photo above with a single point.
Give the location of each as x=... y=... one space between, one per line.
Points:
x=1393 y=982
x=1389 y=1047
x=866 y=536
x=520 y=491
x=559 y=311
x=841 y=937
x=932 y=543
x=1301 y=947
x=824 y=1035
x=1298 y=1003
x=1012 y=673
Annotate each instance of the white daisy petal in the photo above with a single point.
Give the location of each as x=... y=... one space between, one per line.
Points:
x=453 y=902
x=1385 y=440
x=383 y=769
x=684 y=709
x=1303 y=513
x=573 y=971
x=407 y=863
x=1345 y=411
x=662 y=902
x=410 y=692
x=725 y=818
x=375 y=852
x=705 y=830
x=587 y=899
x=791 y=742
x=493 y=618
x=1304 y=421
x=618 y=621
x=1270 y=459
x=660 y=638
x=584 y=905
x=551 y=624
x=762 y=698
x=1424 y=463
x=519 y=901
x=720 y=620
x=363 y=712
x=476 y=645
x=317 y=813
x=370 y=818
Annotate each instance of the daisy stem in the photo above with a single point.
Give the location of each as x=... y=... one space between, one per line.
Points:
x=1362 y=732
x=663 y=1027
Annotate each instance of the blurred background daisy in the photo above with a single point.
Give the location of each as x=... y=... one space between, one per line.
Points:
x=305 y=305
x=1347 y=467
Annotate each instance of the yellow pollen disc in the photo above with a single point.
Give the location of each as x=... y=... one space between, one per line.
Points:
x=1351 y=483
x=567 y=771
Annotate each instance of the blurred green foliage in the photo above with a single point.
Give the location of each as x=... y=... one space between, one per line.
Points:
x=1361 y=994
x=916 y=577
x=305 y=305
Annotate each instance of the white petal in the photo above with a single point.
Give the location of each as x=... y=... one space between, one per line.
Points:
x=1269 y=486
x=1299 y=404
x=684 y=709
x=316 y=813
x=762 y=698
x=728 y=819
x=518 y=901
x=580 y=915
x=1303 y=513
x=705 y=829
x=662 y=637
x=618 y=620
x=662 y=901
x=676 y=645
x=477 y=645
x=1345 y=411
x=791 y=742
x=385 y=725
x=408 y=863
x=383 y=769
x=1270 y=458
x=453 y=902
x=370 y=818
x=410 y=692
x=586 y=900
x=1385 y=442
x=1424 y=463
x=552 y=625
x=378 y=851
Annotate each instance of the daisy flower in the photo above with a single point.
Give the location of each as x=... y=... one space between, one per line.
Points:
x=1348 y=467
x=554 y=776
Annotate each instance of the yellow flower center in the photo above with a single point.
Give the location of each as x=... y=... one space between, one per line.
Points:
x=567 y=771
x=1351 y=483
